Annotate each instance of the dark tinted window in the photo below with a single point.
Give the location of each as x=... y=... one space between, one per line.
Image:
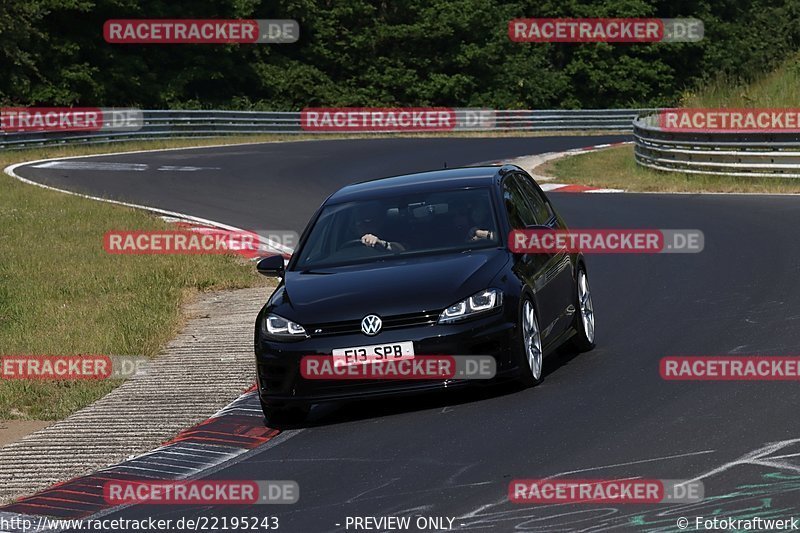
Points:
x=541 y=211
x=426 y=222
x=519 y=212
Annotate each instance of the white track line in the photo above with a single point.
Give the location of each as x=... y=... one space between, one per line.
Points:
x=11 y=171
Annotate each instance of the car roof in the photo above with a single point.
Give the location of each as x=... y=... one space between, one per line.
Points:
x=437 y=180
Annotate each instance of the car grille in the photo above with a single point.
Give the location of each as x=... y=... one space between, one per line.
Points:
x=346 y=327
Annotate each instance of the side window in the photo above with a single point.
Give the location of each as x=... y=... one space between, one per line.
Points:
x=520 y=214
x=541 y=211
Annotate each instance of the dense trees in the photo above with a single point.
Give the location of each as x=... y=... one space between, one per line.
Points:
x=372 y=52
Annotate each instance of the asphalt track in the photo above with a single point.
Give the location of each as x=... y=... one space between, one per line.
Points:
x=603 y=414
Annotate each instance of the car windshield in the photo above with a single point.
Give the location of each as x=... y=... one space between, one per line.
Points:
x=410 y=224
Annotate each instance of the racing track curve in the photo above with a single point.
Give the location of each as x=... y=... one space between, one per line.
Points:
x=604 y=414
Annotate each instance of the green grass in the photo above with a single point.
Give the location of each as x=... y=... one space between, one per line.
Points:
x=780 y=88
x=615 y=168
x=60 y=293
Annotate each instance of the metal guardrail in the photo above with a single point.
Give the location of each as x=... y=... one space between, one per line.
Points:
x=162 y=124
x=751 y=154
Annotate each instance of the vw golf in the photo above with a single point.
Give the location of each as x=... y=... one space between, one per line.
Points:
x=416 y=265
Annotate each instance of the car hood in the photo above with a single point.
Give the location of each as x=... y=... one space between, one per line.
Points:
x=391 y=287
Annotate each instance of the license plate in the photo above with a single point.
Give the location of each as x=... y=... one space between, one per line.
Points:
x=375 y=353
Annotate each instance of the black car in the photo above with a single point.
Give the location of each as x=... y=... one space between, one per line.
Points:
x=420 y=261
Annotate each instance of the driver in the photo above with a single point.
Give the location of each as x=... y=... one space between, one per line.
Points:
x=369 y=222
x=481 y=218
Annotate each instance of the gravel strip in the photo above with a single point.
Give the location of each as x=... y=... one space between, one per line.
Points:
x=199 y=372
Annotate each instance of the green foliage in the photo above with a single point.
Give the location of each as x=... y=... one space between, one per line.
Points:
x=378 y=53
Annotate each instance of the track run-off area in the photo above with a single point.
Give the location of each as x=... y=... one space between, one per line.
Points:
x=603 y=414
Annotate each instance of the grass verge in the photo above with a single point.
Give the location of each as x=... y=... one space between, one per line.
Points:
x=60 y=293
x=780 y=88
x=616 y=168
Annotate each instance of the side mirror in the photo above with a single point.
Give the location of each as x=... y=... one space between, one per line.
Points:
x=272 y=265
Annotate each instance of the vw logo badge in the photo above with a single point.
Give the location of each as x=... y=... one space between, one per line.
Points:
x=371 y=325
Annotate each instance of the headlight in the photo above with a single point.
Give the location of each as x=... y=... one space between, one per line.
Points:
x=279 y=327
x=475 y=304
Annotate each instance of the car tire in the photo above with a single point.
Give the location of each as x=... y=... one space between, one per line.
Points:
x=280 y=416
x=529 y=354
x=584 y=338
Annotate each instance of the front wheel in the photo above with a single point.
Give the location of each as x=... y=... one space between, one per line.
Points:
x=529 y=345
x=583 y=340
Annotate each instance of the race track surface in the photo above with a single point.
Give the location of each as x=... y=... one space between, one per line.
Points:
x=277 y=185
x=603 y=414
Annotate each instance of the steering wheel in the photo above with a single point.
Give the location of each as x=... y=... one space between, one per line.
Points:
x=353 y=242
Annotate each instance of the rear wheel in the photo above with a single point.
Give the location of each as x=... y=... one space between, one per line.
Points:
x=529 y=350
x=584 y=317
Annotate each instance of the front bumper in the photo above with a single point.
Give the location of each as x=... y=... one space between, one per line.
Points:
x=278 y=363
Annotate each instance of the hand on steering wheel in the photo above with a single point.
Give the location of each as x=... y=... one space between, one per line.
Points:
x=372 y=240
